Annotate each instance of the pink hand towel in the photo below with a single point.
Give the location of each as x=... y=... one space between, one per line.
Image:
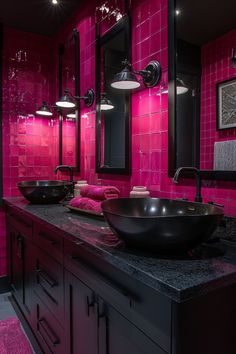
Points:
x=86 y=204
x=100 y=192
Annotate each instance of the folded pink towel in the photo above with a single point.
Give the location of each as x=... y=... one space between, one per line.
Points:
x=99 y=192
x=85 y=203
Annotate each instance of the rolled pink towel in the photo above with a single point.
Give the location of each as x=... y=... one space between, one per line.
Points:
x=86 y=204
x=99 y=192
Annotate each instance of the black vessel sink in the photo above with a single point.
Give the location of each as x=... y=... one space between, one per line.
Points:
x=161 y=225
x=44 y=192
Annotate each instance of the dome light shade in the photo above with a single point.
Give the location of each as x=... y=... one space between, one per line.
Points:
x=105 y=104
x=125 y=80
x=181 y=88
x=44 y=110
x=71 y=115
x=66 y=101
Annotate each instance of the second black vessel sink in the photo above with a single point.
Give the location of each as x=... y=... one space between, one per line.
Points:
x=45 y=191
x=161 y=225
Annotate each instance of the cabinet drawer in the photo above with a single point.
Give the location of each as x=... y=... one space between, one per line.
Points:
x=48 y=331
x=48 y=281
x=148 y=309
x=21 y=222
x=49 y=240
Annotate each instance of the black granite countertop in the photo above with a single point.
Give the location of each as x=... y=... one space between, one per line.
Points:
x=209 y=267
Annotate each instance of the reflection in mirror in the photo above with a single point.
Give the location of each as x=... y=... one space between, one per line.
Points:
x=203 y=118
x=69 y=141
x=113 y=125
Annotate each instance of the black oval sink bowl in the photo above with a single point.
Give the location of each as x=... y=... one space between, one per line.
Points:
x=161 y=225
x=44 y=192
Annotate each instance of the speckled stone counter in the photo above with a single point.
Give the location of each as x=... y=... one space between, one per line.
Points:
x=182 y=278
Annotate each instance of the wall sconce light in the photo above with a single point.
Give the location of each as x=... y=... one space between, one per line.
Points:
x=181 y=88
x=127 y=79
x=71 y=115
x=69 y=101
x=44 y=110
x=105 y=104
x=233 y=58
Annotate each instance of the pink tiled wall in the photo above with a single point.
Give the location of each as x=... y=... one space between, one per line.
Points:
x=28 y=147
x=29 y=142
x=216 y=67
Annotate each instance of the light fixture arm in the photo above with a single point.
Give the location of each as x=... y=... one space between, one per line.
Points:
x=88 y=98
x=143 y=73
x=126 y=64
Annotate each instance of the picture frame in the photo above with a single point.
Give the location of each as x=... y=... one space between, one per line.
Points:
x=226 y=104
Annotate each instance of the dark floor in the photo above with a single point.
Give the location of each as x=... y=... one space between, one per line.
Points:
x=6 y=309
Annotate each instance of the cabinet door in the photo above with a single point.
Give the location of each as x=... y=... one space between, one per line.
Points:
x=16 y=262
x=81 y=324
x=117 y=335
x=21 y=269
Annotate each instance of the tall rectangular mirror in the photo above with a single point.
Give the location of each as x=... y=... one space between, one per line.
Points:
x=69 y=127
x=112 y=126
x=202 y=89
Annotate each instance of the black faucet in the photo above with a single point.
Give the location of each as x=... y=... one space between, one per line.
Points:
x=198 y=197
x=65 y=168
x=70 y=169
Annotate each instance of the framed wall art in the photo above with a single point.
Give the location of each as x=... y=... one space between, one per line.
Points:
x=226 y=104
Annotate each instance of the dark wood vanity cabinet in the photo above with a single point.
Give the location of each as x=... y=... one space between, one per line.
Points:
x=75 y=302
x=36 y=280
x=71 y=308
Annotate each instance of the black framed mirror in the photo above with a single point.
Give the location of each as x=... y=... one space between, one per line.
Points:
x=69 y=121
x=201 y=44
x=112 y=126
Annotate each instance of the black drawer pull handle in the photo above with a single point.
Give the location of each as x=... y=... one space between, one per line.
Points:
x=44 y=275
x=45 y=237
x=121 y=292
x=101 y=315
x=49 y=332
x=90 y=303
x=20 y=246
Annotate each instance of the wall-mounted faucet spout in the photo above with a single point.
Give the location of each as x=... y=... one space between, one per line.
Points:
x=65 y=168
x=198 y=197
x=70 y=169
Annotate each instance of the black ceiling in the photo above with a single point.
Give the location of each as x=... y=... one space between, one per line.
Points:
x=201 y=21
x=37 y=16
